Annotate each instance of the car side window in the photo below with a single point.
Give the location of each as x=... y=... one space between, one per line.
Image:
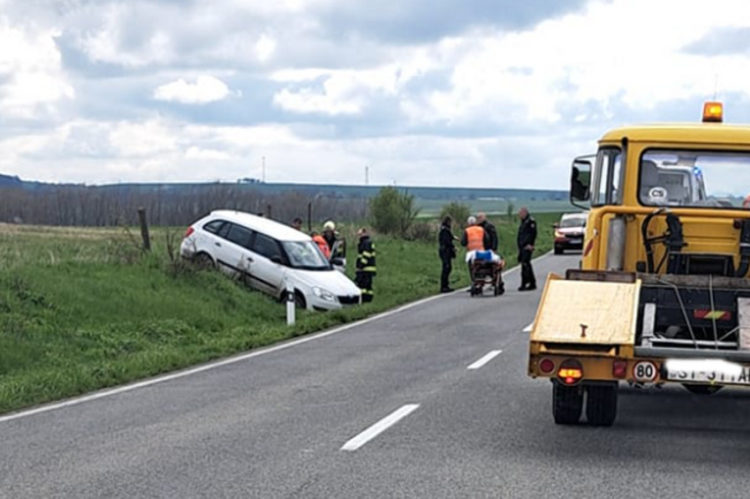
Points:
x=240 y=235
x=266 y=246
x=224 y=230
x=214 y=227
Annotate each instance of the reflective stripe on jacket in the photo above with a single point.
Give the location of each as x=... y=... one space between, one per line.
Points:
x=474 y=238
x=366 y=255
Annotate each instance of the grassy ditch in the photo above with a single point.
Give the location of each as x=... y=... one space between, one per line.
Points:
x=83 y=309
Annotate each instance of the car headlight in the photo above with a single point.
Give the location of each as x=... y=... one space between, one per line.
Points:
x=559 y=234
x=323 y=294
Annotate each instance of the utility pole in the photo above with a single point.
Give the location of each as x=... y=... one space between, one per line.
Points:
x=263 y=176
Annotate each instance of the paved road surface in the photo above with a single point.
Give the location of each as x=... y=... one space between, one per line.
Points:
x=274 y=425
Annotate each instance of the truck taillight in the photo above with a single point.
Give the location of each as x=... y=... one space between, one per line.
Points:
x=546 y=366
x=570 y=372
x=620 y=368
x=188 y=232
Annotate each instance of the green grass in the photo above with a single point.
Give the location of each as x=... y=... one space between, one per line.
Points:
x=82 y=309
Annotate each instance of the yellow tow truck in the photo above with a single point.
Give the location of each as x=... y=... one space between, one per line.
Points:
x=662 y=294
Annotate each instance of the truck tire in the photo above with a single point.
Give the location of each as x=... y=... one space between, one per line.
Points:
x=601 y=404
x=567 y=403
x=702 y=389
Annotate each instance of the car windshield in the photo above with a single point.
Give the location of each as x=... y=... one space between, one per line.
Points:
x=695 y=179
x=305 y=255
x=573 y=222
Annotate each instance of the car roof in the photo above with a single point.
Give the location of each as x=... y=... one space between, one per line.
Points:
x=575 y=215
x=265 y=225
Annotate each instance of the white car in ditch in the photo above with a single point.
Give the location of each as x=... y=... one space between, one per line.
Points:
x=270 y=256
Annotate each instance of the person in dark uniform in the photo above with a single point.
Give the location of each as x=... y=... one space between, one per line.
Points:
x=447 y=253
x=526 y=239
x=366 y=269
x=490 y=232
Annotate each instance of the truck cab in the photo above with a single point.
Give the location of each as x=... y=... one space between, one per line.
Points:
x=662 y=295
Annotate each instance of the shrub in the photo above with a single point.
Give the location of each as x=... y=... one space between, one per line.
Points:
x=422 y=231
x=509 y=210
x=457 y=211
x=393 y=211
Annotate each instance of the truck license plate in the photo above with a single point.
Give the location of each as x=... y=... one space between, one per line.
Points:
x=707 y=371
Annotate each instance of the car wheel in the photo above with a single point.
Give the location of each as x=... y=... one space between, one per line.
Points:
x=558 y=250
x=299 y=299
x=204 y=261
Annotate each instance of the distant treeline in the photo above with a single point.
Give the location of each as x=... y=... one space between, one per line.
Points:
x=114 y=205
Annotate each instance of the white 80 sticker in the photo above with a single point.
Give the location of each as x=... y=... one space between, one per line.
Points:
x=644 y=371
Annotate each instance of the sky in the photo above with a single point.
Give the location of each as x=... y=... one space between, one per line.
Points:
x=474 y=93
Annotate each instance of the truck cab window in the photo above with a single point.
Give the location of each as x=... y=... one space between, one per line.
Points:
x=606 y=184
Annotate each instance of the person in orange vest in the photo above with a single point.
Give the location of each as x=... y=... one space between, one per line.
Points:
x=322 y=244
x=473 y=239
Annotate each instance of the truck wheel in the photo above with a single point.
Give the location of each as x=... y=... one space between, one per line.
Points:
x=703 y=389
x=567 y=403
x=601 y=404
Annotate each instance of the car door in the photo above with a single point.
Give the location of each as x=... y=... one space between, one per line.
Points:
x=208 y=235
x=267 y=268
x=232 y=250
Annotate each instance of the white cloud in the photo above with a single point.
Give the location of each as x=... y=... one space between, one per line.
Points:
x=481 y=106
x=638 y=61
x=143 y=139
x=345 y=91
x=203 y=90
x=194 y=152
x=264 y=48
x=31 y=75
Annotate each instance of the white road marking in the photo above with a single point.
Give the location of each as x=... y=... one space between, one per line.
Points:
x=528 y=328
x=379 y=427
x=484 y=360
x=225 y=362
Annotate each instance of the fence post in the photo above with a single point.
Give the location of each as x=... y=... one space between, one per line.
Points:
x=144 y=229
x=268 y=211
x=309 y=216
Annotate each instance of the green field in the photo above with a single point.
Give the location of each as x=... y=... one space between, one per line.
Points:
x=82 y=309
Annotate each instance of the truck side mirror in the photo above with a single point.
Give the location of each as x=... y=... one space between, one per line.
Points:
x=580 y=180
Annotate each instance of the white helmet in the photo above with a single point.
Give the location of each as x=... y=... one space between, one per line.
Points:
x=329 y=225
x=471 y=221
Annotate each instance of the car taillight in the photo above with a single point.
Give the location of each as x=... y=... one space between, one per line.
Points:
x=188 y=232
x=546 y=366
x=620 y=368
x=570 y=372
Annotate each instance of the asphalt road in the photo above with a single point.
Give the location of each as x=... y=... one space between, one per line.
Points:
x=290 y=423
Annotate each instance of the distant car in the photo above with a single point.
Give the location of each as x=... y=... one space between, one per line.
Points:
x=268 y=255
x=569 y=232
